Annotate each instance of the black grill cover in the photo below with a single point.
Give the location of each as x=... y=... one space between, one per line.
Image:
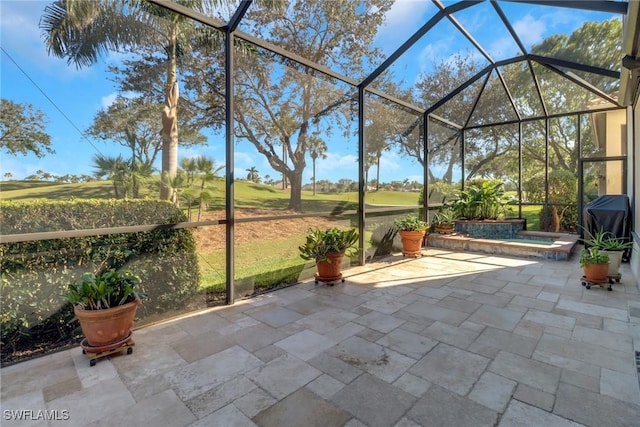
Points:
x=610 y=213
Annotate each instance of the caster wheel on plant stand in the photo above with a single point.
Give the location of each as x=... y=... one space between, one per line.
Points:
x=588 y=283
x=97 y=352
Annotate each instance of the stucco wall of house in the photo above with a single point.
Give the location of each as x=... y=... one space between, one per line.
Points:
x=633 y=139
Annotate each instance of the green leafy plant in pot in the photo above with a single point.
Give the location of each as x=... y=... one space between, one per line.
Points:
x=412 y=231
x=444 y=220
x=327 y=248
x=606 y=242
x=105 y=304
x=595 y=265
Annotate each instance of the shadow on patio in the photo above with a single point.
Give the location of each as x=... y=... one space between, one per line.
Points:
x=455 y=339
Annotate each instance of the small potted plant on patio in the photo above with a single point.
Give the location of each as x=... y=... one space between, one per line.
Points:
x=327 y=248
x=614 y=247
x=444 y=220
x=412 y=231
x=609 y=244
x=105 y=304
x=595 y=265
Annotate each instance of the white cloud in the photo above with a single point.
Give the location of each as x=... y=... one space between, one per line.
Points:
x=21 y=38
x=109 y=99
x=504 y=47
x=401 y=21
x=530 y=30
x=19 y=166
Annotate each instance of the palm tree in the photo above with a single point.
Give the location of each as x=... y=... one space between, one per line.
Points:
x=84 y=30
x=208 y=171
x=253 y=174
x=175 y=186
x=317 y=148
x=115 y=169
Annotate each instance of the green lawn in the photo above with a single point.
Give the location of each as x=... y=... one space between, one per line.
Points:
x=260 y=262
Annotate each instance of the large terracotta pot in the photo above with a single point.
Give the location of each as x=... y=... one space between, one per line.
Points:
x=412 y=242
x=596 y=273
x=104 y=327
x=330 y=271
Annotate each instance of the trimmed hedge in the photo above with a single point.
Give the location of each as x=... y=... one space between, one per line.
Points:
x=35 y=274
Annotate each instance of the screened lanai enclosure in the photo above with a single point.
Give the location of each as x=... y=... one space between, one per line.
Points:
x=196 y=142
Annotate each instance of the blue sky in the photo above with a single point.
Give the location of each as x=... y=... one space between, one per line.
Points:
x=70 y=97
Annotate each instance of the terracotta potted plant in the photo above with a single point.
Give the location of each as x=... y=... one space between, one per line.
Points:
x=327 y=248
x=609 y=244
x=595 y=265
x=444 y=220
x=412 y=231
x=105 y=304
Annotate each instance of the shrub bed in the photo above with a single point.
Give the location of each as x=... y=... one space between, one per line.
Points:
x=34 y=318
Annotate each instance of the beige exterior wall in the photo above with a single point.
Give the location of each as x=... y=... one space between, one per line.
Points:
x=633 y=138
x=616 y=139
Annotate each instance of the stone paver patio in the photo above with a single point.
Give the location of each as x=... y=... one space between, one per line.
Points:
x=450 y=339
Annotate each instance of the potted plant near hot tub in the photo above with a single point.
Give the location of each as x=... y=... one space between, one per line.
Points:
x=105 y=304
x=444 y=220
x=412 y=231
x=606 y=242
x=595 y=265
x=615 y=247
x=327 y=248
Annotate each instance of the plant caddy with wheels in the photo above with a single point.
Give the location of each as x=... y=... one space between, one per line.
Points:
x=105 y=304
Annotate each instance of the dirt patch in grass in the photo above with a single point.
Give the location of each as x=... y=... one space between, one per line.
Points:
x=214 y=238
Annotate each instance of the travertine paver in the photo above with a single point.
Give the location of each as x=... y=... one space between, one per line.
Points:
x=457 y=336
x=534 y=397
x=447 y=339
x=305 y=345
x=493 y=391
x=325 y=386
x=379 y=321
x=227 y=416
x=594 y=409
x=380 y=361
x=283 y=375
x=507 y=341
x=592 y=309
x=98 y=402
x=435 y=312
x=164 y=408
x=588 y=353
x=451 y=367
x=302 y=408
x=217 y=397
x=621 y=386
x=440 y=407
x=520 y=414
x=327 y=320
x=522 y=369
x=188 y=381
x=274 y=315
x=373 y=401
x=550 y=319
x=497 y=317
x=408 y=343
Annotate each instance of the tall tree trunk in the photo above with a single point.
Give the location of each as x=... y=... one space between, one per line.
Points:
x=314 y=176
x=295 y=200
x=170 y=125
x=378 y=172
